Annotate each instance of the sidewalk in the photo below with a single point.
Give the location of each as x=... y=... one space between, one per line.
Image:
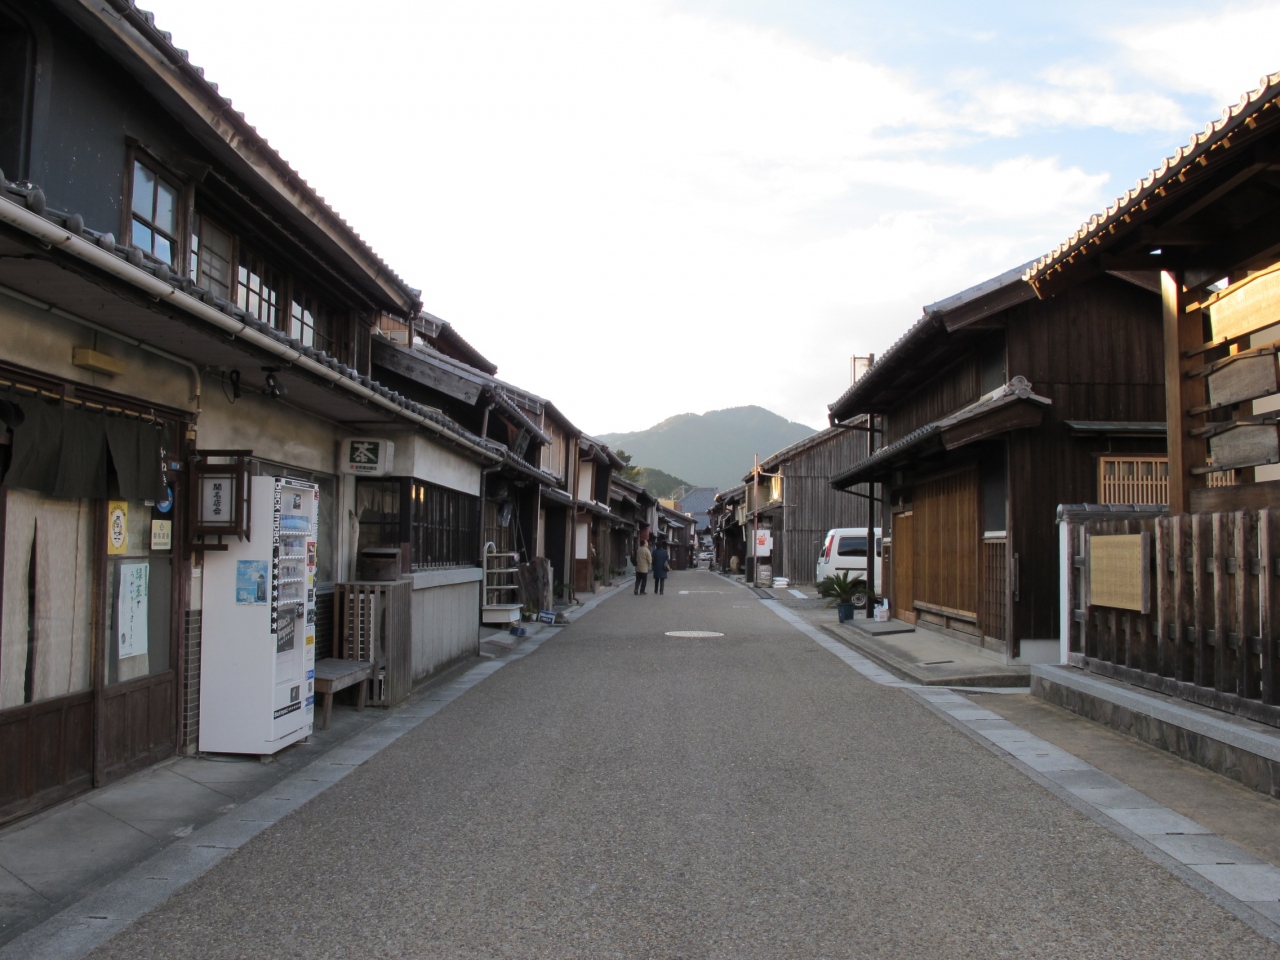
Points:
x=914 y=653
x=53 y=858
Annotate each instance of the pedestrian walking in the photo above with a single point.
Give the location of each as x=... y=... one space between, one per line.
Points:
x=644 y=560
x=661 y=564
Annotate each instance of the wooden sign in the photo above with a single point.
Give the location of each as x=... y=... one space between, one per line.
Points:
x=1247 y=306
x=1247 y=379
x=1120 y=571
x=1245 y=446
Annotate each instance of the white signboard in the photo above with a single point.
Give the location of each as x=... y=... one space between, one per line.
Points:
x=217 y=505
x=764 y=543
x=131 y=609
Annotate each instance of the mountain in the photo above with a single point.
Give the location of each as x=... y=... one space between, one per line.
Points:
x=712 y=449
x=658 y=482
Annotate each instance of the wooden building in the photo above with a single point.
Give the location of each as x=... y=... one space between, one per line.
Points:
x=992 y=409
x=1198 y=615
x=169 y=287
x=799 y=504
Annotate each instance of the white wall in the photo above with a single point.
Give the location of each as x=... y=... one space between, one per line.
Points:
x=423 y=459
x=582 y=541
x=586 y=480
x=446 y=624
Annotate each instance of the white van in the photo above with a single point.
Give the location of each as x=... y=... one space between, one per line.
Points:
x=846 y=549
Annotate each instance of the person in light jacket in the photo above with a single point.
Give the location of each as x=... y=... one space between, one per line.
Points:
x=644 y=560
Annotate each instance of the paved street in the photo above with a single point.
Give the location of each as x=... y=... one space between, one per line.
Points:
x=623 y=793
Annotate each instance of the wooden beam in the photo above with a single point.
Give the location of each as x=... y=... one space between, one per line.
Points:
x=1182 y=332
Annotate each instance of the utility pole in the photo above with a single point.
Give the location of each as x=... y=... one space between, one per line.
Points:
x=755 y=521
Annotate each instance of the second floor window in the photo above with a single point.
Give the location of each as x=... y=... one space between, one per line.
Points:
x=154 y=224
x=257 y=290
x=307 y=321
x=211 y=257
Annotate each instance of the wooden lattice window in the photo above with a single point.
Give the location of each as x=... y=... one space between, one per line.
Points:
x=1133 y=479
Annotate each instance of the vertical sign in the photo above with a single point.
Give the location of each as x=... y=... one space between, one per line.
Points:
x=131 y=609
x=117 y=527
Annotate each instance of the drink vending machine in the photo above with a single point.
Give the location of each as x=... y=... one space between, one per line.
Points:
x=257 y=659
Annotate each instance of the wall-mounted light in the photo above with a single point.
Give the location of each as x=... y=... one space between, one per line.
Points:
x=273 y=388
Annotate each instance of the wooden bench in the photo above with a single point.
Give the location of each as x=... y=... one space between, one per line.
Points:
x=333 y=675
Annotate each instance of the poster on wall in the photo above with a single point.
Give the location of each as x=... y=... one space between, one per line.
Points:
x=252 y=577
x=131 y=609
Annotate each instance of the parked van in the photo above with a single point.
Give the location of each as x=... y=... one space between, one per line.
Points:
x=846 y=549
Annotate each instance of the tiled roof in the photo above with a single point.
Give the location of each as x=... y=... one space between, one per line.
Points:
x=1016 y=389
x=1216 y=136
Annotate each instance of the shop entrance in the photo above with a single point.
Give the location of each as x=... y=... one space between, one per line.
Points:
x=88 y=686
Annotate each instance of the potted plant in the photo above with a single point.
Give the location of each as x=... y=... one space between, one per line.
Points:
x=845 y=593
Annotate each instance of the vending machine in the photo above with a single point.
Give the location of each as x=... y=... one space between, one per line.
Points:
x=257 y=657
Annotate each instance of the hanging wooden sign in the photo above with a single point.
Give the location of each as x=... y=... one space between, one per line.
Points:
x=1245 y=446
x=1247 y=379
x=1120 y=571
x=1247 y=306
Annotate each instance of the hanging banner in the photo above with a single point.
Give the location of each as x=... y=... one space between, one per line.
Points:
x=764 y=543
x=117 y=527
x=131 y=609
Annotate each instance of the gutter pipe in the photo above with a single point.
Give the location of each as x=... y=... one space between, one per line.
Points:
x=160 y=291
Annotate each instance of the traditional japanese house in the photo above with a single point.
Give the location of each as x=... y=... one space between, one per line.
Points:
x=992 y=409
x=1186 y=604
x=170 y=292
x=633 y=509
x=678 y=530
x=800 y=505
x=593 y=521
x=730 y=521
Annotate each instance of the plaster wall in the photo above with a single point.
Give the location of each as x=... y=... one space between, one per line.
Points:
x=418 y=457
x=39 y=340
x=271 y=429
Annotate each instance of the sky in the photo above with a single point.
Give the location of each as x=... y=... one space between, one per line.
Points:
x=655 y=207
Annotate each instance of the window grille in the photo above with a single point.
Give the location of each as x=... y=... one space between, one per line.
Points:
x=211 y=257
x=443 y=529
x=1133 y=480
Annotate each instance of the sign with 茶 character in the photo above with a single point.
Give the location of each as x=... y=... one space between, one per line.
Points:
x=1120 y=571
x=368 y=456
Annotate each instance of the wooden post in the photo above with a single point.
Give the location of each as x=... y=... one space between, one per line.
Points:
x=1181 y=333
x=1201 y=598
x=1166 y=620
x=1247 y=616
x=1268 y=601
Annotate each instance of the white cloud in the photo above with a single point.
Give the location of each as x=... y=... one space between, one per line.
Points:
x=1222 y=54
x=637 y=212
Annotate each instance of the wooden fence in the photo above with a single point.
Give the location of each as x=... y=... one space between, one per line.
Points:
x=372 y=622
x=1197 y=612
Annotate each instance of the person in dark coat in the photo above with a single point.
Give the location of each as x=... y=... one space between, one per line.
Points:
x=661 y=564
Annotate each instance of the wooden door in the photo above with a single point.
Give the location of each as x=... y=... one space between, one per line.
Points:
x=947 y=537
x=904 y=554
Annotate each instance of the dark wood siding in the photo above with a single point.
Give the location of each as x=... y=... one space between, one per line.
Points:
x=812 y=506
x=1096 y=353
x=957 y=386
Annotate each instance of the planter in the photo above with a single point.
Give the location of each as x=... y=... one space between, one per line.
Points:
x=844 y=611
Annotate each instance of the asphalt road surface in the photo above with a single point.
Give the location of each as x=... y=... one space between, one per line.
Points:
x=622 y=793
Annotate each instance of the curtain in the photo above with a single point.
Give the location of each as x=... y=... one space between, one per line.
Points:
x=63 y=452
x=54 y=637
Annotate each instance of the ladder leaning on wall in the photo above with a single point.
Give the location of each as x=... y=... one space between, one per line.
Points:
x=501 y=587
